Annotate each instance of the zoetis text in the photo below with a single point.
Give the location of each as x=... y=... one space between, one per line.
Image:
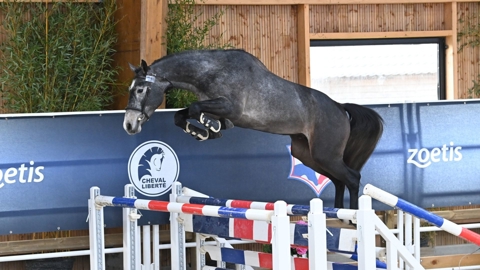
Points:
x=23 y=174
x=423 y=157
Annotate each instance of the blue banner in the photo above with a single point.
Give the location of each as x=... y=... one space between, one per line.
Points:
x=428 y=155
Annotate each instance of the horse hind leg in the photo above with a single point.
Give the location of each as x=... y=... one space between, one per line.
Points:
x=347 y=177
x=329 y=157
x=301 y=150
x=342 y=176
x=339 y=192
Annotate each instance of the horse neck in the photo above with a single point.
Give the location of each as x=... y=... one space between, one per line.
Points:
x=186 y=86
x=183 y=71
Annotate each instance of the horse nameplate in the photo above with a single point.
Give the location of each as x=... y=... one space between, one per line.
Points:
x=150 y=78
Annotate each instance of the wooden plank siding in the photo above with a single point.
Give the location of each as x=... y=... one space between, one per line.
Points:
x=376 y=18
x=73 y=240
x=468 y=58
x=127 y=47
x=318 y=2
x=50 y=1
x=268 y=32
x=2 y=39
x=269 y=29
x=276 y=41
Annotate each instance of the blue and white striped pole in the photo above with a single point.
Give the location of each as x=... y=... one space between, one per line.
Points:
x=292 y=209
x=412 y=209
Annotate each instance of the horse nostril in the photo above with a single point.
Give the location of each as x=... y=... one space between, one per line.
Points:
x=129 y=127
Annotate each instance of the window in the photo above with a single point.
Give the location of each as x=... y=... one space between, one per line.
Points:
x=379 y=71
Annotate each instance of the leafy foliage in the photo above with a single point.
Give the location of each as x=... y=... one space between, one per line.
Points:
x=57 y=57
x=470 y=35
x=475 y=89
x=184 y=34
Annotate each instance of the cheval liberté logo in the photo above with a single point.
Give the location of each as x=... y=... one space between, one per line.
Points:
x=304 y=174
x=153 y=167
x=422 y=158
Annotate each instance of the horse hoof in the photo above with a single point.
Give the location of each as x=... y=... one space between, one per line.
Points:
x=348 y=223
x=226 y=124
x=215 y=135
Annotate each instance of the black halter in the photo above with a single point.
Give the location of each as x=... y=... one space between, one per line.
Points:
x=142 y=105
x=151 y=79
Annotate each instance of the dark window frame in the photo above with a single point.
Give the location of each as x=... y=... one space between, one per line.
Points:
x=441 y=87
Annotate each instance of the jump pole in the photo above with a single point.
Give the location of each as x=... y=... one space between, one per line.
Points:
x=292 y=209
x=278 y=217
x=315 y=211
x=130 y=204
x=195 y=209
x=412 y=209
x=316 y=217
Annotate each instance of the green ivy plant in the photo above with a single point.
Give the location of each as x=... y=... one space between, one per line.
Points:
x=184 y=32
x=470 y=33
x=57 y=56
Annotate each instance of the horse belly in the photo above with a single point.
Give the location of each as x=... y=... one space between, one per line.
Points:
x=280 y=124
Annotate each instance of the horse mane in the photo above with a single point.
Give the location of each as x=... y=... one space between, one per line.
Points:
x=211 y=51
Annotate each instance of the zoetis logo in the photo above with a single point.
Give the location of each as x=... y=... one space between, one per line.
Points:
x=424 y=157
x=22 y=174
x=153 y=167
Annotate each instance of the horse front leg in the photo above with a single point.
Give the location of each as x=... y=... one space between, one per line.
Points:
x=181 y=118
x=219 y=107
x=210 y=123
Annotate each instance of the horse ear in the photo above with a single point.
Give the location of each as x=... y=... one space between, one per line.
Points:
x=132 y=67
x=145 y=66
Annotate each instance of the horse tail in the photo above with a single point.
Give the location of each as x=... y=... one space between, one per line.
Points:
x=366 y=128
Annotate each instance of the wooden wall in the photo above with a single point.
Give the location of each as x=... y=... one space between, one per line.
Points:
x=140 y=36
x=128 y=46
x=468 y=57
x=268 y=32
x=272 y=31
x=2 y=39
x=376 y=18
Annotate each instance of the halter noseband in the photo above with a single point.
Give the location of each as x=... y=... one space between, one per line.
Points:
x=142 y=106
x=151 y=79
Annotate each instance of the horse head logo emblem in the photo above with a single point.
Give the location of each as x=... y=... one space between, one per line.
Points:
x=152 y=168
x=154 y=163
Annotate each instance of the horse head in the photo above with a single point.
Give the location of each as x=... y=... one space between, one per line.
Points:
x=146 y=94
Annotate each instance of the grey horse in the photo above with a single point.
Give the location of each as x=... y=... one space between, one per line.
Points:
x=234 y=88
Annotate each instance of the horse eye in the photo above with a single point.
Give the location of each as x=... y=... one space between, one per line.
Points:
x=139 y=91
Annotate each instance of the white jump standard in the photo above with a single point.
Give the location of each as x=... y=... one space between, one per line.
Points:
x=278 y=233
